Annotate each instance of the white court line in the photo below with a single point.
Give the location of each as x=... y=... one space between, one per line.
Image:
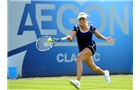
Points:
x=75 y=44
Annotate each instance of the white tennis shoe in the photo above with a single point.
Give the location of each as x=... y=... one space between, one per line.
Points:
x=106 y=76
x=75 y=83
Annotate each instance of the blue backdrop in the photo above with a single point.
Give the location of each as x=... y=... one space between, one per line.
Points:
x=57 y=18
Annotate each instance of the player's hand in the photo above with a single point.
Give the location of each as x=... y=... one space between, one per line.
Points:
x=69 y=38
x=111 y=40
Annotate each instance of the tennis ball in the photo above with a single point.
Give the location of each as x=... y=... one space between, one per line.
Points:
x=49 y=40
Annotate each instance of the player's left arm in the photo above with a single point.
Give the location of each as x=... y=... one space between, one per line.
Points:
x=100 y=36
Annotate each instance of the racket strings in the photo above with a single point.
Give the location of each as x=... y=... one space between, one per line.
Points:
x=42 y=44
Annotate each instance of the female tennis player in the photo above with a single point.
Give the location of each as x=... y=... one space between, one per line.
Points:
x=87 y=47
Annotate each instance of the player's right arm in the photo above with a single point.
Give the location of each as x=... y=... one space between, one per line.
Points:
x=71 y=37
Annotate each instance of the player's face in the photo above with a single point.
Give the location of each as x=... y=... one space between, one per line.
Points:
x=82 y=21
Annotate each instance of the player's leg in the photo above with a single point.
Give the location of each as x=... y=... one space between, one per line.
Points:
x=90 y=63
x=83 y=55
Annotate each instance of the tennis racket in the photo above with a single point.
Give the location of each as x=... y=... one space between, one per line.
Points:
x=42 y=43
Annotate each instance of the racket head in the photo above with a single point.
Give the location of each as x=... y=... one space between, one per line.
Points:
x=42 y=43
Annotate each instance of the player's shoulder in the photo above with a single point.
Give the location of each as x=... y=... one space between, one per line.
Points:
x=92 y=27
x=76 y=25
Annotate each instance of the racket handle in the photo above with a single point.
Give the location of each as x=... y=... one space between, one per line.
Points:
x=64 y=38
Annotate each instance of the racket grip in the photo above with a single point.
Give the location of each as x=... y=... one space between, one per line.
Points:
x=64 y=38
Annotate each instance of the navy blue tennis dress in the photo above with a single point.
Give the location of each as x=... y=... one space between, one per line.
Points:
x=84 y=39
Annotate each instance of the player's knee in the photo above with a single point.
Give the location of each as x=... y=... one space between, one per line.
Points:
x=79 y=59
